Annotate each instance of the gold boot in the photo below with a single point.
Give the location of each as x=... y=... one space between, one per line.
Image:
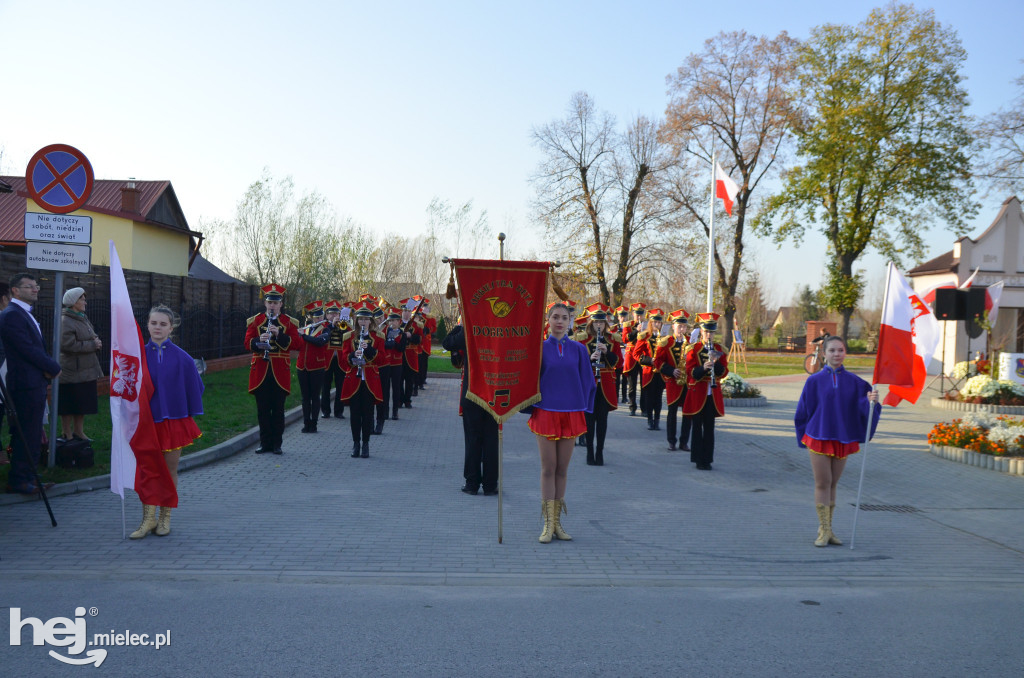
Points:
x=547 y=507
x=148 y=522
x=832 y=538
x=163 y=526
x=823 y=525
x=559 y=532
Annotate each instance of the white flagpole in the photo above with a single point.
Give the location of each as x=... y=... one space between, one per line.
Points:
x=871 y=415
x=711 y=235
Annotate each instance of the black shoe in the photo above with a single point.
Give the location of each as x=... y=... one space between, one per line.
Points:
x=394 y=416
x=657 y=425
x=703 y=467
x=590 y=460
x=23 y=488
x=355 y=450
x=469 y=490
x=312 y=427
x=407 y=406
x=278 y=450
x=683 y=447
x=490 y=493
x=326 y=414
x=632 y=411
x=306 y=429
x=75 y=436
x=599 y=459
x=671 y=447
x=378 y=429
x=650 y=426
x=263 y=450
x=339 y=415
x=366 y=450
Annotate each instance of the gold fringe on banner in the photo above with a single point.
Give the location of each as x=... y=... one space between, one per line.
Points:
x=451 y=293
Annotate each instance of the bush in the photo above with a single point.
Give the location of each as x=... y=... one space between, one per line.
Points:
x=983 y=389
x=733 y=386
x=981 y=432
x=758 y=337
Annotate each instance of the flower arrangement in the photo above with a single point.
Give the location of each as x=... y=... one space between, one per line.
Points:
x=981 y=432
x=983 y=389
x=733 y=386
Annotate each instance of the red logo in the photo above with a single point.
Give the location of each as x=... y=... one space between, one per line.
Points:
x=124 y=377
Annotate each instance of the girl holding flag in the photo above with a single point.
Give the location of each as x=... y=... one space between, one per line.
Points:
x=177 y=397
x=831 y=420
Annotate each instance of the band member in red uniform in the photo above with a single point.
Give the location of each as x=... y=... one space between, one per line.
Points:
x=334 y=372
x=622 y=313
x=410 y=357
x=380 y=323
x=670 y=361
x=630 y=369
x=706 y=366
x=312 y=363
x=270 y=335
x=428 y=326
x=651 y=383
x=604 y=356
x=361 y=390
x=394 y=349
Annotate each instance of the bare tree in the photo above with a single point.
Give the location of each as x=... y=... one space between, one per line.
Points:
x=1002 y=166
x=732 y=99
x=595 y=198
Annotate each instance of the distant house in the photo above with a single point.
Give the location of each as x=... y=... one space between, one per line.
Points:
x=143 y=218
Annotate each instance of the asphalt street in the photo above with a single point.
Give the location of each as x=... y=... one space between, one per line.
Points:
x=314 y=563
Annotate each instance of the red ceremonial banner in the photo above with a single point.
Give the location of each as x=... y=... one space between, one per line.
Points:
x=502 y=306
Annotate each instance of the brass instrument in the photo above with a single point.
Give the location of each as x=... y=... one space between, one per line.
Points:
x=360 y=362
x=305 y=329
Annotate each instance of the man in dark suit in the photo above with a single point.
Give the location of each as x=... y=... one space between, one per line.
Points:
x=29 y=370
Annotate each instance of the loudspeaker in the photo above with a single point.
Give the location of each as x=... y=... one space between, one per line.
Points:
x=975 y=310
x=951 y=304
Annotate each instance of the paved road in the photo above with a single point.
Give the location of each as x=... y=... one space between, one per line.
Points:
x=328 y=564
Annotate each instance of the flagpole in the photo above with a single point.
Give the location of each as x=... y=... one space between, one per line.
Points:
x=501 y=426
x=871 y=415
x=711 y=233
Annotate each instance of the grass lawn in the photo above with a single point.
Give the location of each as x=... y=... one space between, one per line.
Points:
x=772 y=365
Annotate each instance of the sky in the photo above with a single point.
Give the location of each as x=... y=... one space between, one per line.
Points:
x=383 y=106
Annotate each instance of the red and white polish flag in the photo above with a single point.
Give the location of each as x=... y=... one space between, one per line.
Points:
x=136 y=461
x=725 y=188
x=907 y=339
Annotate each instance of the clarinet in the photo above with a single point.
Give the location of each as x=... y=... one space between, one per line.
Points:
x=271 y=320
x=363 y=334
x=599 y=343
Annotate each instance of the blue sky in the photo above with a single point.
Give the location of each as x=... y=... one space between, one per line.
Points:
x=383 y=106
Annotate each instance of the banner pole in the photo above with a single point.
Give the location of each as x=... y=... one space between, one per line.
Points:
x=711 y=236
x=501 y=474
x=863 y=465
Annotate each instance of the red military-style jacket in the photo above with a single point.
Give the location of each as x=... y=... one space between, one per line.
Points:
x=670 y=356
x=605 y=379
x=412 y=346
x=428 y=327
x=313 y=349
x=645 y=348
x=697 y=386
x=369 y=376
x=393 y=352
x=628 y=361
x=278 y=366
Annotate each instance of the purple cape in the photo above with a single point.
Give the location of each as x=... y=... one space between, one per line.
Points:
x=834 y=406
x=177 y=388
x=566 y=377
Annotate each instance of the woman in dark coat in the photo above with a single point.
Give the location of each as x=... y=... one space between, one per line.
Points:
x=79 y=366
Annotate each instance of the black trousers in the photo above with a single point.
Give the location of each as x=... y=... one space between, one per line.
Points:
x=395 y=386
x=30 y=406
x=631 y=377
x=597 y=425
x=409 y=377
x=270 y=413
x=702 y=449
x=385 y=389
x=421 y=378
x=684 y=429
x=481 y=458
x=650 y=398
x=360 y=412
x=311 y=384
x=333 y=377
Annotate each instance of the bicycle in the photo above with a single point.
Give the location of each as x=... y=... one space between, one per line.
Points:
x=814 y=361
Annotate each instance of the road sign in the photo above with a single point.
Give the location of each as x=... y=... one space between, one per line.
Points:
x=58 y=228
x=59 y=178
x=58 y=256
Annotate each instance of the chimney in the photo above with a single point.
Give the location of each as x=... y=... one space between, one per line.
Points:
x=131 y=197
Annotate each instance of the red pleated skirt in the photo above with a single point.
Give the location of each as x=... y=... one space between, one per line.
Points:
x=557 y=425
x=175 y=434
x=831 y=448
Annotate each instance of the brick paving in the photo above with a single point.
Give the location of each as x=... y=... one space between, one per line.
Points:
x=646 y=518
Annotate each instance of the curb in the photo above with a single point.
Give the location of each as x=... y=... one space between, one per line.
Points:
x=1012 y=465
x=757 y=401
x=956 y=405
